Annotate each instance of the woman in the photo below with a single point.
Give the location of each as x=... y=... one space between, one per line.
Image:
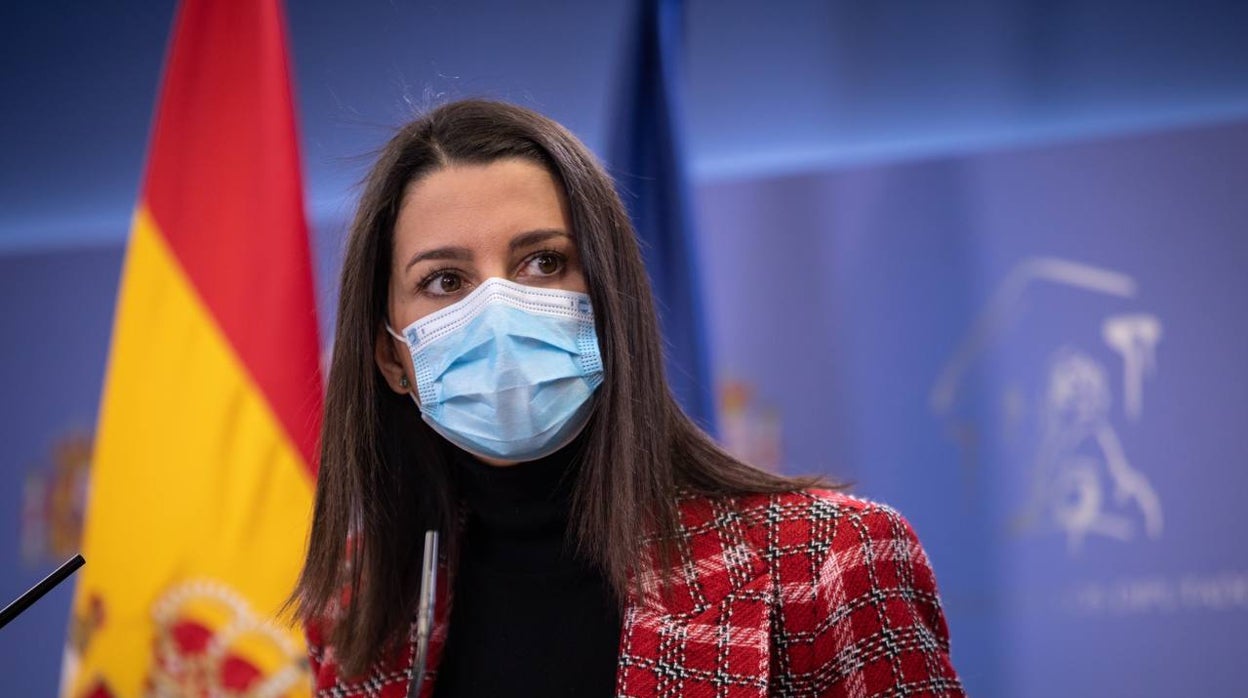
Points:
x=497 y=376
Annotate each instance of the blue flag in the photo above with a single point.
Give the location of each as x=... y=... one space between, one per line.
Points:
x=647 y=160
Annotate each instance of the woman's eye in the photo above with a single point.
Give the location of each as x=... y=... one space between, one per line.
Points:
x=545 y=264
x=443 y=283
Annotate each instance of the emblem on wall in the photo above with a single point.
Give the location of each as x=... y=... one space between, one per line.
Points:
x=748 y=429
x=53 y=501
x=1062 y=417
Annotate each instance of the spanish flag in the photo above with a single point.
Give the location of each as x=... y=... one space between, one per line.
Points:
x=203 y=472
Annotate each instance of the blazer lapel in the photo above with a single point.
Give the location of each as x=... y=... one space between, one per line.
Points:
x=709 y=635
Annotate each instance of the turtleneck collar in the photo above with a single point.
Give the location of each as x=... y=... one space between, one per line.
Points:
x=518 y=514
x=522 y=602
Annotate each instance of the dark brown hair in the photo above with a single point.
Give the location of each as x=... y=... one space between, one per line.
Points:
x=384 y=475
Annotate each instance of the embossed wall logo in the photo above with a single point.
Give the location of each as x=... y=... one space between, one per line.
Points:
x=1056 y=413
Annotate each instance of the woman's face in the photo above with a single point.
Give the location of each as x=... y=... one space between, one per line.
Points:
x=463 y=224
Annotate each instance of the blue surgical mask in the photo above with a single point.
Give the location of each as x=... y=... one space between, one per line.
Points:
x=507 y=372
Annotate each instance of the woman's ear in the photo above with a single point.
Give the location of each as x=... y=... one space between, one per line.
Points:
x=389 y=362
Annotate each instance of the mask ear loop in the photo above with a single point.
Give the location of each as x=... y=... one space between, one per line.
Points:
x=406 y=383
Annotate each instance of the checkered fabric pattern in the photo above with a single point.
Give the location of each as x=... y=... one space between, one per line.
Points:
x=811 y=593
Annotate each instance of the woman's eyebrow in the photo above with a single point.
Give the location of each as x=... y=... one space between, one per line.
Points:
x=534 y=237
x=458 y=254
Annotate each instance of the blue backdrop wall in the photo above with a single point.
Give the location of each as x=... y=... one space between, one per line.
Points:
x=985 y=261
x=1037 y=355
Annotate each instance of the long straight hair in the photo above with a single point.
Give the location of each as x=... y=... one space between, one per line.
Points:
x=385 y=475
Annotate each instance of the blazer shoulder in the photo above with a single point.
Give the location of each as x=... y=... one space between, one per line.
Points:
x=850 y=580
x=799 y=532
x=816 y=515
x=814 y=497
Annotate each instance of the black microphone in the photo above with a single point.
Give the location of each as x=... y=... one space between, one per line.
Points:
x=424 y=612
x=36 y=592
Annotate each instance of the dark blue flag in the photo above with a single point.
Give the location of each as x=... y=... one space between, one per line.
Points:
x=648 y=163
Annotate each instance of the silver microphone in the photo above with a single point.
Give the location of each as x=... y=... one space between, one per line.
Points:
x=424 y=612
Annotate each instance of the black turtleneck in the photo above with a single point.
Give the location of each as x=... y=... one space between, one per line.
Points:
x=528 y=617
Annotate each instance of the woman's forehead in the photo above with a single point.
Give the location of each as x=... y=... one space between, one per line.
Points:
x=476 y=204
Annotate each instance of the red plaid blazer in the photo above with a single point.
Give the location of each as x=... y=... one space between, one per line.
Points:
x=811 y=593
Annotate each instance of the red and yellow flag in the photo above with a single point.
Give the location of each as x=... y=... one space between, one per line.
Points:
x=203 y=475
